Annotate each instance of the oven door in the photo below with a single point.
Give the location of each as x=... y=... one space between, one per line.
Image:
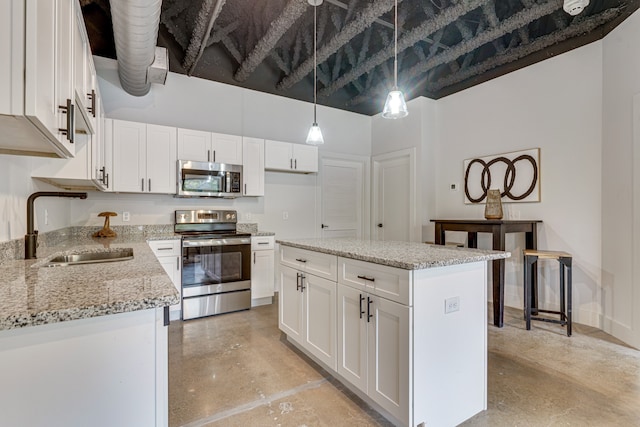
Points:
x=212 y=266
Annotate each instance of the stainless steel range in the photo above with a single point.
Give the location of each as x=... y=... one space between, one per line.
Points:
x=216 y=263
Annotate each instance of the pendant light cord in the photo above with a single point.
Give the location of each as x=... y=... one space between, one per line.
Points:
x=395 y=49
x=315 y=65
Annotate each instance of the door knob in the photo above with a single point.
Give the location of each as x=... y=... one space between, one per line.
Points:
x=380 y=225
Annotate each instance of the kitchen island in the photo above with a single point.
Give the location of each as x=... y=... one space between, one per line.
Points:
x=403 y=325
x=85 y=344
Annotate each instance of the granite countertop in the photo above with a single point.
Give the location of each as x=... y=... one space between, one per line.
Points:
x=406 y=255
x=31 y=294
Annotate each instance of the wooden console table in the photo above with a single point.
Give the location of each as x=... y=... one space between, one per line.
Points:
x=498 y=228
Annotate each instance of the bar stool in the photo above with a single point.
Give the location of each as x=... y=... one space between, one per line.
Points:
x=531 y=256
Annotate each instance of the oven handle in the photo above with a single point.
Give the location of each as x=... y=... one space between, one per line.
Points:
x=217 y=242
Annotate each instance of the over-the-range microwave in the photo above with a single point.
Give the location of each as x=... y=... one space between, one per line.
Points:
x=208 y=179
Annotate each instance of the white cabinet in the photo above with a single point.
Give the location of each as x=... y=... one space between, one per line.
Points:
x=144 y=158
x=308 y=301
x=204 y=146
x=169 y=255
x=36 y=92
x=262 y=270
x=308 y=312
x=253 y=166
x=84 y=74
x=374 y=348
x=284 y=156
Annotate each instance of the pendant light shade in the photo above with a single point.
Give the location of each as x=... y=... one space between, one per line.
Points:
x=315 y=134
x=395 y=107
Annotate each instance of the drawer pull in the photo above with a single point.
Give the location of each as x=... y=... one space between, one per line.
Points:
x=165 y=249
x=263 y=243
x=301 y=260
x=370 y=279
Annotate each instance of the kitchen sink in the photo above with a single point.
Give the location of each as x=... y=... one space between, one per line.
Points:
x=91 y=258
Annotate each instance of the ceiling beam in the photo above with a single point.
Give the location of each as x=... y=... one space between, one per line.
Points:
x=407 y=40
x=586 y=25
x=346 y=34
x=289 y=15
x=208 y=14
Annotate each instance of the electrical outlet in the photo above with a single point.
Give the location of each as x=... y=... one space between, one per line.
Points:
x=285 y=215
x=126 y=216
x=451 y=304
x=247 y=216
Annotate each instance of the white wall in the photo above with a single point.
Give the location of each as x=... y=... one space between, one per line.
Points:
x=621 y=182
x=15 y=186
x=555 y=105
x=195 y=103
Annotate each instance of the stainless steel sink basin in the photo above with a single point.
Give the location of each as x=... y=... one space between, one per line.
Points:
x=91 y=257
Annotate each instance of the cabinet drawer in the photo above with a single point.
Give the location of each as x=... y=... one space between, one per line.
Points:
x=260 y=243
x=165 y=247
x=381 y=280
x=316 y=263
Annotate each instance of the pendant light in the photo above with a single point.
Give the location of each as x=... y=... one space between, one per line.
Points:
x=395 y=107
x=315 y=134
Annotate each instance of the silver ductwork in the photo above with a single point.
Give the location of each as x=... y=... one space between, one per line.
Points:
x=135 y=30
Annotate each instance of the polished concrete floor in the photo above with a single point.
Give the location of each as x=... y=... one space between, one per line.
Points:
x=236 y=370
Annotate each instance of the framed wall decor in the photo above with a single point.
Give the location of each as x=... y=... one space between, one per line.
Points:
x=515 y=174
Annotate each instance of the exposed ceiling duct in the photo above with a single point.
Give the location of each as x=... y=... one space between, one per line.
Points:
x=135 y=29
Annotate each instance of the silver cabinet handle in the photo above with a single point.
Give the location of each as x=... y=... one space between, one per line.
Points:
x=69 y=131
x=263 y=243
x=149 y=184
x=165 y=249
x=298 y=281
x=245 y=189
x=302 y=277
x=254 y=257
x=295 y=164
x=301 y=260
x=208 y=155
x=142 y=183
x=178 y=263
x=214 y=156
x=290 y=163
x=92 y=97
x=107 y=183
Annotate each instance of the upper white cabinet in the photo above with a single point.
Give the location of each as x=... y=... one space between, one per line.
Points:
x=284 y=156
x=39 y=111
x=252 y=166
x=144 y=158
x=204 y=146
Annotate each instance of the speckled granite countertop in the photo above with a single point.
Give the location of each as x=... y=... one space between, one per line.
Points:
x=407 y=255
x=31 y=294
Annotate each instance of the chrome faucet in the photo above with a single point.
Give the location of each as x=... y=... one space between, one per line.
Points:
x=31 y=238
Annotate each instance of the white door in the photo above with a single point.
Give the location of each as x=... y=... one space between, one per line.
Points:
x=320 y=318
x=194 y=145
x=352 y=336
x=394 y=197
x=226 y=148
x=389 y=360
x=161 y=159
x=290 y=304
x=129 y=156
x=342 y=204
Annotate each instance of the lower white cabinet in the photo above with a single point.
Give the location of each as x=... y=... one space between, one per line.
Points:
x=169 y=256
x=262 y=270
x=308 y=313
x=374 y=348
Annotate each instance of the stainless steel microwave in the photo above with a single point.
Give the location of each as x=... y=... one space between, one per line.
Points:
x=207 y=179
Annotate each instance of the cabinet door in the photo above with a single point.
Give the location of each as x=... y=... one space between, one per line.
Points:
x=161 y=159
x=305 y=158
x=108 y=153
x=47 y=69
x=290 y=310
x=80 y=49
x=278 y=155
x=320 y=331
x=226 y=148
x=129 y=156
x=194 y=145
x=389 y=356
x=253 y=166
x=352 y=336
x=262 y=271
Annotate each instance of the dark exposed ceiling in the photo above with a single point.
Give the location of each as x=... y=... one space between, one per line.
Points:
x=444 y=46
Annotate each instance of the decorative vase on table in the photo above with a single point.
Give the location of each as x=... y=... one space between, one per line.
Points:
x=493 y=208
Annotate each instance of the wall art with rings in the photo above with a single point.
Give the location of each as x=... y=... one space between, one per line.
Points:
x=516 y=175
